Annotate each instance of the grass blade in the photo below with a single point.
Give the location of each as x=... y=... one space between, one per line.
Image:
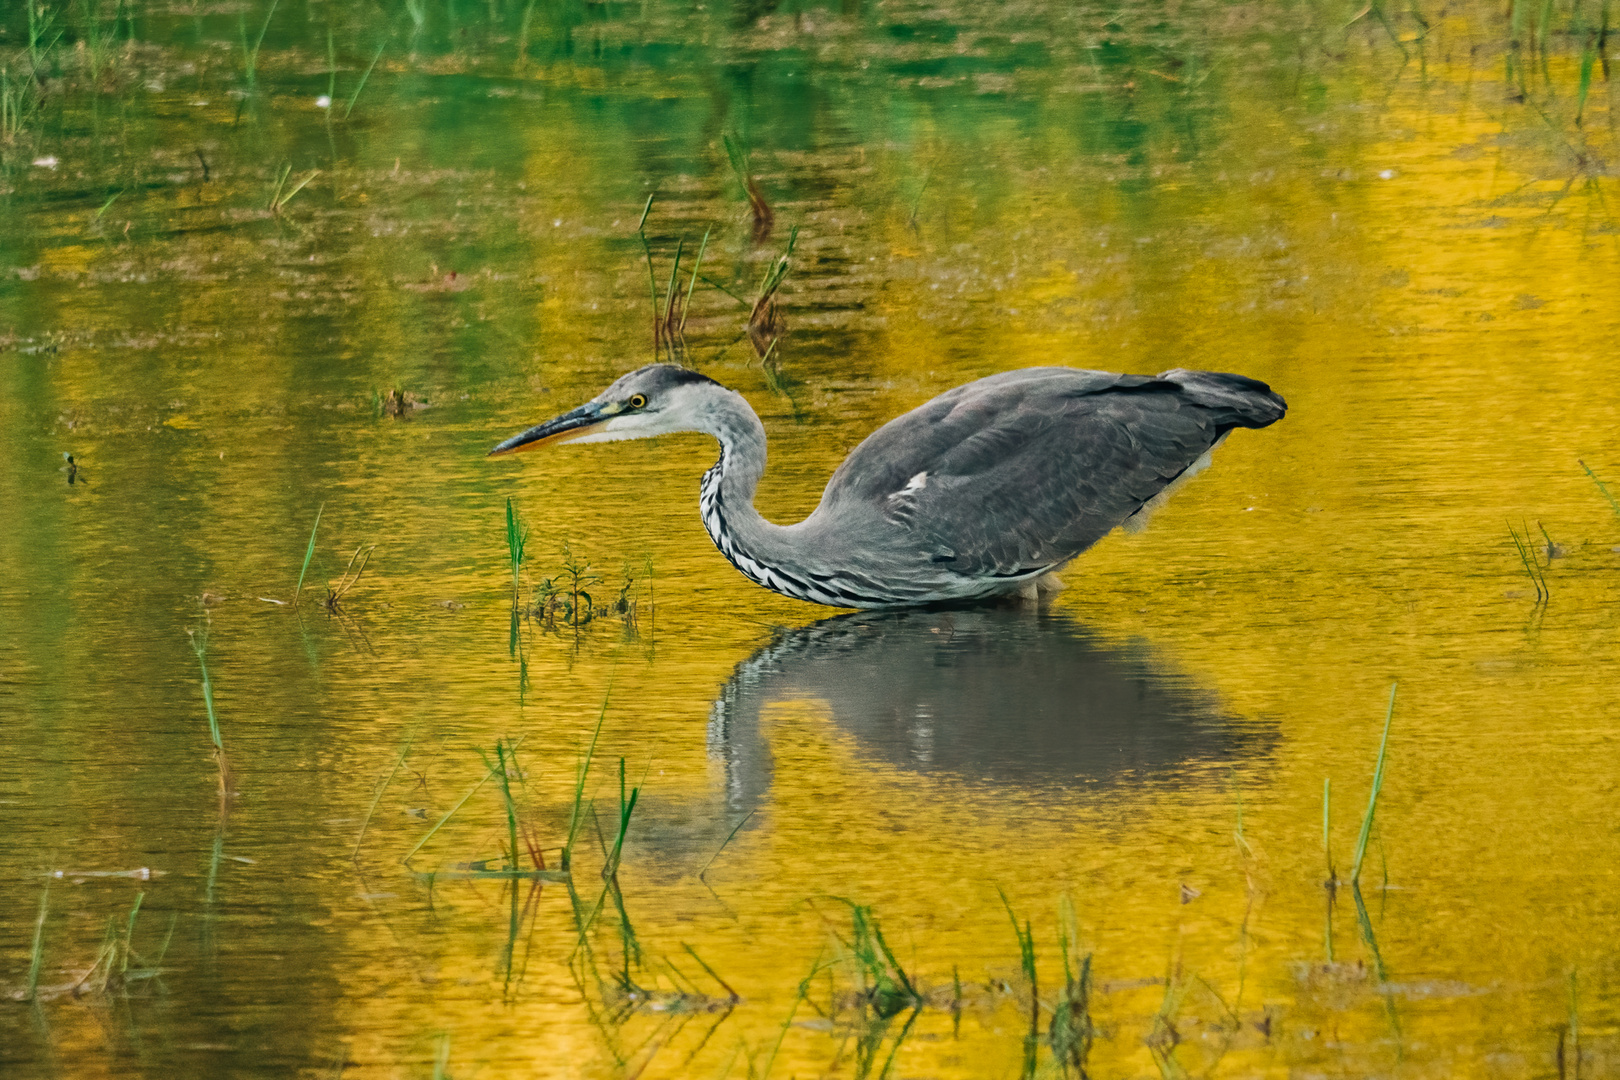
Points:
x=398 y=763
x=309 y=553
x=1614 y=503
x=686 y=308
x=199 y=645
x=1327 y=817
x=576 y=816
x=38 y=955
x=362 y=84
x=452 y=811
x=723 y=844
x=1377 y=785
x=516 y=535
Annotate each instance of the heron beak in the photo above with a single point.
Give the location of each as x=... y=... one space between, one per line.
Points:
x=565 y=428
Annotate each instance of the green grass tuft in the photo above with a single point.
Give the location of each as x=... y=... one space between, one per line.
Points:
x=1532 y=565
x=516 y=534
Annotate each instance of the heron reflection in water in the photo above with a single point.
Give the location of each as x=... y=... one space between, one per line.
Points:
x=997 y=697
x=985 y=491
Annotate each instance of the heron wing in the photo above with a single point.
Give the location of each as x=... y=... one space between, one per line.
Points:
x=1015 y=473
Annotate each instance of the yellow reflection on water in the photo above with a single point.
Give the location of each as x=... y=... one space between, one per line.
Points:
x=1446 y=348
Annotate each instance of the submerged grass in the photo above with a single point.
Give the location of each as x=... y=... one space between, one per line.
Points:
x=250 y=54
x=1614 y=504
x=117 y=965
x=281 y=195
x=361 y=85
x=349 y=579
x=399 y=763
x=670 y=314
x=505 y=767
x=37 y=954
x=627 y=806
x=20 y=102
x=1026 y=958
x=1327 y=819
x=1572 y=1030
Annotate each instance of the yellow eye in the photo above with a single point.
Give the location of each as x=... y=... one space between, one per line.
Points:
x=638 y=401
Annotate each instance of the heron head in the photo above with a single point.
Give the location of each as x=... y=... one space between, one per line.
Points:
x=659 y=399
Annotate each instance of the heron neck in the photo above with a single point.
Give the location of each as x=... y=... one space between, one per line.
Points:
x=727 y=499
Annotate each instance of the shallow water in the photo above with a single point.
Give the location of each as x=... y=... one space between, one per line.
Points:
x=1406 y=232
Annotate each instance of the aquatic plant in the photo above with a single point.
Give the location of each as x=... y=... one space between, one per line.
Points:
x=740 y=823
x=883 y=985
x=371 y=812
x=117 y=964
x=96 y=43
x=309 y=553
x=250 y=54
x=566 y=596
x=1532 y=565
x=19 y=100
x=41 y=20
x=281 y=195
x=759 y=210
x=1614 y=504
x=1377 y=786
x=576 y=813
x=364 y=76
x=37 y=953
x=1327 y=817
x=335 y=594
x=764 y=321
x=627 y=806
x=1026 y=957
x=199 y=645
x=1071 y=1032
x=1569 y=1040
x=669 y=315
x=516 y=534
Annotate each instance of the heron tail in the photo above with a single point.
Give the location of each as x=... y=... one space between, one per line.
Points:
x=1241 y=402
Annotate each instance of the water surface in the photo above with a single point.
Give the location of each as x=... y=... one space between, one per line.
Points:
x=1407 y=228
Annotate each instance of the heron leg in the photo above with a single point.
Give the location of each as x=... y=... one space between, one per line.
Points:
x=1039 y=589
x=1047 y=585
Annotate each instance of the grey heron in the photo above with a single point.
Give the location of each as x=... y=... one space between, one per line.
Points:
x=985 y=491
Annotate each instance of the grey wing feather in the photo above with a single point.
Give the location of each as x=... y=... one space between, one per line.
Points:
x=1019 y=472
